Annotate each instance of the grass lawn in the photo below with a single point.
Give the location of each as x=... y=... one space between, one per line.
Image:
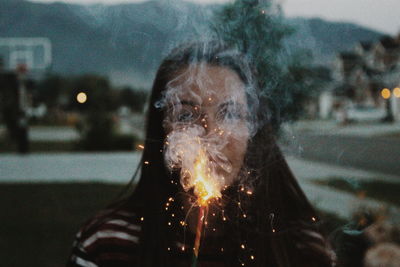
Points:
x=39 y=220
x=384 y=191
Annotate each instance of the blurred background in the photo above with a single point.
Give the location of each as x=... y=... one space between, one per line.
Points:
x=75 y=77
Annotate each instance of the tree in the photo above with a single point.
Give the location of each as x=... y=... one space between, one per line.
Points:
x=99 y=93
x=133 y=98
x=51 y=90
x=97 y=127
x=256 y=28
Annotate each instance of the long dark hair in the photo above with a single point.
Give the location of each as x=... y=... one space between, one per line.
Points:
x=281 y=226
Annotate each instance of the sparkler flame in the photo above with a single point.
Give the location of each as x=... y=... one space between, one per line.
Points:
x=205 y=187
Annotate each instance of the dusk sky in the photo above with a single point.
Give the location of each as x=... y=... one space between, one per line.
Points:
x=382 y=15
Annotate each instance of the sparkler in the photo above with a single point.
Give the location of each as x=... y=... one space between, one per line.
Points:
x=198 y=235
x=205 y=189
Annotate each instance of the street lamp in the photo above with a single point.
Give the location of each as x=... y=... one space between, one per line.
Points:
x=81 y=97
x=386 y=94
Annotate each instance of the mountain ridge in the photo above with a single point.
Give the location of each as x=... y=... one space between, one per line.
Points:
x=128 y=41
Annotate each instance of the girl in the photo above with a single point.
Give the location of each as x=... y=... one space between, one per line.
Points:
x=205 y=99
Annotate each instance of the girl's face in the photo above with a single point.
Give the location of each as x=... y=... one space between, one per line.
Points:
x=210 y=103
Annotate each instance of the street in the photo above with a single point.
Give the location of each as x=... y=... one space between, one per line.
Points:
x=377 y=154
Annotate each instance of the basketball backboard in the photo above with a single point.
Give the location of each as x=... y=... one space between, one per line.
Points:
x=34 y=53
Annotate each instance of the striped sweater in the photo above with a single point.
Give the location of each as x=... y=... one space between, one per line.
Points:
x=108 y=239
x=111 y=238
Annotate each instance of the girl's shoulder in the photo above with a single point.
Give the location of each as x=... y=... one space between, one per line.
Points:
x=109 y=238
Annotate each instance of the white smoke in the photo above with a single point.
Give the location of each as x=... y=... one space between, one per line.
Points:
x=189 y=131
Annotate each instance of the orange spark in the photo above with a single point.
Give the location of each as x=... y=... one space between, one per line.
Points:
x=204 y=186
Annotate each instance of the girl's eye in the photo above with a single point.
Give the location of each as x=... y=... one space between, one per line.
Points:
x=233 y=115
x=185 y=116
x=229 y=114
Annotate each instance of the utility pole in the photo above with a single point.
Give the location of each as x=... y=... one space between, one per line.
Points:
x=22 y=121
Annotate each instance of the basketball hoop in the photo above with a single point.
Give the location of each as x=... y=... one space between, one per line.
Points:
x=22 y=68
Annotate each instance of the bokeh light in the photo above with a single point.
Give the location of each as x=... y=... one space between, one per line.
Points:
x=396 y=92
x=81 y=97
x=385 y=93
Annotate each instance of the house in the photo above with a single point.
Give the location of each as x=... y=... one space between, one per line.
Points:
x=360 y=75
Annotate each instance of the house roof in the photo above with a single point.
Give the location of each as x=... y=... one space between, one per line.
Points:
x=370 y=71
x=389 y=43
x=367 y=46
